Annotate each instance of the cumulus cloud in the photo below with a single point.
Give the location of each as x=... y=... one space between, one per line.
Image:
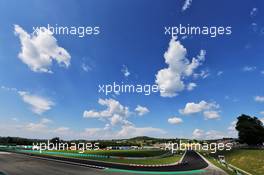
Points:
x=198 y=133
x=191 y=108
x=232 y=129
x=202 y=74
x=115 y=113
x=125 y=71
x=191 y=86
x=219 y=73
x=40 y=49
x=186 y=5
x=175 y=120
x=209 y=109
x=171 y=79
x=141 y=110
x=259 y=99
x=211 y=134
x=95 y=133
x=38 y=104
x=253 y=12
x=38 y=127
x=249 y=68
x=211 y=114
x=117 y=123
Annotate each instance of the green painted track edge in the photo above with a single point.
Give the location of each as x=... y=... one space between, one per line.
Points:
x=154 y=172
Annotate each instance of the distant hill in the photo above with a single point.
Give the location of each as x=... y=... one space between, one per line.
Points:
x=142 y=138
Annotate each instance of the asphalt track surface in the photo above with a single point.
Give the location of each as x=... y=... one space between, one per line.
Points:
x=19 y=164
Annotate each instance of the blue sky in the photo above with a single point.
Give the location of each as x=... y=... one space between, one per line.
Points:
x=40 y=104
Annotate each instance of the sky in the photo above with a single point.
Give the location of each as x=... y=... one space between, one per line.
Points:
x=49 y=83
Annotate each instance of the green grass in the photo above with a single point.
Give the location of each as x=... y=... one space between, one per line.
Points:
x=122 y=153
x=250 y=160
x=90 y=156
x=165 y=160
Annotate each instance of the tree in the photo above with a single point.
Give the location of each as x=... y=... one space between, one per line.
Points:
x=55 y=140
x=250 y=130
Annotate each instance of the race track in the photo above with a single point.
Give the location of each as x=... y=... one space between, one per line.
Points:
x=20 y=164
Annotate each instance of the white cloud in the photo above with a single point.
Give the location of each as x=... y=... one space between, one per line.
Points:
x=249 y=68
x=191 y=108
x=125 y=71
x=219 y=73
x=203 y=74
x=259 y=99
x=262 y=120
x=38 y=127
x=40 y=49
x=141 y=110
x=261 y=112
x=186 y=5
x=211 y=114
x=211 y=134
x=208 y=109
x=171 y=79
x=232 y=129
x=115 y=113
x=38 y=104
x=86 y=67
x=198 y=133
x=175 y=120
x=232 y=126
x=113 y=108
x=191 y=86
x=253 y=12
x=262 y=72
x=96 y=133
x=254 y=27
x=116 y=119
